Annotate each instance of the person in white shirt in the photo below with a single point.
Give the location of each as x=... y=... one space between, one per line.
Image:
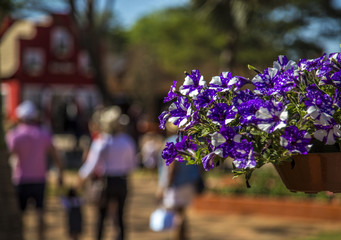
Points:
x=113 y=156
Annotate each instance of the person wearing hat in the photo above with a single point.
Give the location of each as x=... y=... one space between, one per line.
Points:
x=31 y=144
x=113 y=156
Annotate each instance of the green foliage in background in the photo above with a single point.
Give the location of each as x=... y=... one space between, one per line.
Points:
x=179 y=39
x=201 y=34
x=323 y=236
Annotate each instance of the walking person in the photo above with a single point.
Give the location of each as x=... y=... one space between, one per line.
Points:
x=31 y=144
x=113 y=157
x=72 y=203
x=177 y=187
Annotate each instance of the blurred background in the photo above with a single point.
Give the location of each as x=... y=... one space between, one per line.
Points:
x=69 y=57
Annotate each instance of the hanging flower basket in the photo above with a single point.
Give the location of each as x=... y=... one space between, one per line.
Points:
x=312 y=173
x=278 y=115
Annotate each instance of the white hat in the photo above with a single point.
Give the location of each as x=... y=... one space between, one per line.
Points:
x=26 y=111
x=109 y=119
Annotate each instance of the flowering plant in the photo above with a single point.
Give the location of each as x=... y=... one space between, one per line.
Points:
x=279 y=113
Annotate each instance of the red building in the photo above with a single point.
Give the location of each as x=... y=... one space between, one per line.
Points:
x=43 y=62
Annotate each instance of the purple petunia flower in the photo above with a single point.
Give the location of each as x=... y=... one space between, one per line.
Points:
x=319 y=104
x=225 y=82
x=266 y=82
x=336 y=79
x=311 y=64
x=247 y=111
x=271 y=116
x=243 y=96
x=243 y=156
x=179 y=112
x=193 y=119
x=221 y=113
x=327 y=133
x=207 y=161
x=330 y=71
x=315 y=97
x=334 y=57
x=295 y=140
x=337 y=98
x=287 y=103
x=224 y=141
x=204 y=98
x=163 y=118
x=286 y=81
x=173 y=151
x=274 y=81
x=282 y=64
x=194 y=82
x=169 y=153
x=171 y=94
x=220 y=83
x=185 y=144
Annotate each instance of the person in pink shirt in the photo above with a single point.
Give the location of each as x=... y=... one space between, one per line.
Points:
x=31 y=143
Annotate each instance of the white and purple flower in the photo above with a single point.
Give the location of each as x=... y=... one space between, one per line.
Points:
x=194 y=82
x=271 y=116
x=243 y=156
x=222 y=114
x=295 y=140
x=171 y=94
x=327 y=134
x=174 y=151
x=288 y=106
x=225 y=82
x=225 y=140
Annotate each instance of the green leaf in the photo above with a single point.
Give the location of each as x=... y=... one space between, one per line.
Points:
x=254 y=69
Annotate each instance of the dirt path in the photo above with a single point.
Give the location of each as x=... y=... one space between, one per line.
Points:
x=202 y=226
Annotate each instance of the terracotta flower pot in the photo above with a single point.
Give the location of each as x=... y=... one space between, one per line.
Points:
x=312 y=173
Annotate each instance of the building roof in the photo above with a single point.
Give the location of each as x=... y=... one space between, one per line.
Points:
x=9 y=46
x=45 y=52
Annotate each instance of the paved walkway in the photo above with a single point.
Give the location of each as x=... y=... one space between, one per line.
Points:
x=202 y=226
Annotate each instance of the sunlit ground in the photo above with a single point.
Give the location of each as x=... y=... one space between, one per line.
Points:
x=202 y=226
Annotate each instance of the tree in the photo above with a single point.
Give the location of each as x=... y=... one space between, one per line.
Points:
x=10 y=217
x=93 y=29
x=179 y=40
x=162 y=46
x=229 y=17
x=265 y=28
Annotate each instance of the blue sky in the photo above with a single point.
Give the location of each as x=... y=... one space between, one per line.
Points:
x=129 y=11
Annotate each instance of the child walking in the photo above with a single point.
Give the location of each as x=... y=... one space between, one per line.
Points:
x=72 y=204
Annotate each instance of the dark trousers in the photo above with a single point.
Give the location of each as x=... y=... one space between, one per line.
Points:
x=115 y=191
x=27 y=191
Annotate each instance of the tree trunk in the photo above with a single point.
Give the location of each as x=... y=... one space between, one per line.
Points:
x=93 y=46
x=228 y=57
x=10 y=217
x=93 y=43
